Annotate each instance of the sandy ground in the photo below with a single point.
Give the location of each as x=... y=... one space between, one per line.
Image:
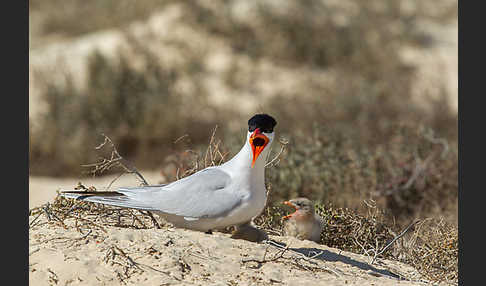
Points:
x=171 y=256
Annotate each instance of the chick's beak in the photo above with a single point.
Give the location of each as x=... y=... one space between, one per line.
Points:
x=258 y=141
x=291 y=205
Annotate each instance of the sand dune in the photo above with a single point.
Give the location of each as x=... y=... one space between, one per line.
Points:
x=171 y=256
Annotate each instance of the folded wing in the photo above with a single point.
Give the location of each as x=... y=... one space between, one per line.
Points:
x=205 y=194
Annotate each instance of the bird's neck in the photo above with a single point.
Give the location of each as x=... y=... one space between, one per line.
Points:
x=303 y=216
x=241 y=163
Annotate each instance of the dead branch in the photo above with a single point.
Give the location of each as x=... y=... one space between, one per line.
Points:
x=116 y=160
x=297 y=255
x=392 y=241
x=430 y=137
x=34 y=251
x=180 y=138
x=63 y=237
x=283 y=143
x=264 y=260
x=209 y=150
x=421 y=166
x=31 y=224
x=115 y=250
x=154 y=221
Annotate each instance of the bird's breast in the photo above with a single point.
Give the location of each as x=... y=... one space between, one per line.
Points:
x=252 y=203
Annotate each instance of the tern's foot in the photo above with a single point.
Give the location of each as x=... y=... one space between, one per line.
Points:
x=249 y=232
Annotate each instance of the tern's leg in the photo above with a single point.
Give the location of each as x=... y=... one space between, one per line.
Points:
x=249 y=232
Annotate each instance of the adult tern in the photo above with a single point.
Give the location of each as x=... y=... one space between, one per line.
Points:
x=216 y=197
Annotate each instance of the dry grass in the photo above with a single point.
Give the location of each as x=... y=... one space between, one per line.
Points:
x=433 y=250
x=82 y=215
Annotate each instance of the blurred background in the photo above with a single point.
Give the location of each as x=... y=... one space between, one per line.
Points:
x=364 y=92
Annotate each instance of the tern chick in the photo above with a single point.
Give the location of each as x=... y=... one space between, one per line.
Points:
x=304 y=223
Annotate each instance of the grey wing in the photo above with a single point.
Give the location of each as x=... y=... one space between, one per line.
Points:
x=205 y=194
x=112 y=198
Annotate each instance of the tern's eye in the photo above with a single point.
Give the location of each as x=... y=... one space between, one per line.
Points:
x=252 y=128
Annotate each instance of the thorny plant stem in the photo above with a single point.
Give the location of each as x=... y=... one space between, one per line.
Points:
x=393 y=240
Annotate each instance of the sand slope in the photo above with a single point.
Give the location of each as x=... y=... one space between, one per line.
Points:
x=170 y=256
x=111 y=255
x=61 y=255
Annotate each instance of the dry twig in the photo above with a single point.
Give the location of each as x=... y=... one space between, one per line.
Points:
x=377 y=253
x=296 y=256
x=264 y=260
x=116 y=160
x=421 y=166
x=283 y=143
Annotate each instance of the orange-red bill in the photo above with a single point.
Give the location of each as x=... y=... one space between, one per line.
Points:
x=258 y=141
x=290 y=215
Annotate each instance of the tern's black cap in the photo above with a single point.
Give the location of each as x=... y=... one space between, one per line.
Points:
x=263 y=121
